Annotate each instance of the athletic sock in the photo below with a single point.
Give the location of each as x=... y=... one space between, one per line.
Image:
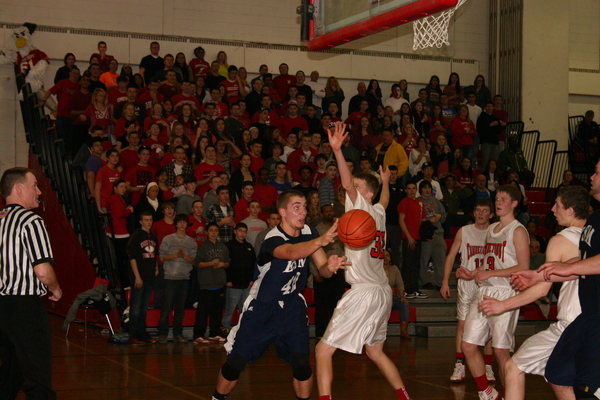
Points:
x=481 y=382
x=218 y=396
x=460 y=358
x=326 y=397
x=488 y=358
x=402 y=394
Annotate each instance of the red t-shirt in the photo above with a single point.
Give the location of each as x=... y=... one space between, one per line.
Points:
x=297 y=158
x=120 y=127
x=282 y=83
x=155 y=156
x=128 y=158
x=195 y=223
x=79 y=102
x=64 y=90
x=267 y=197
x=139 y=176
x=286 y=124
x=201 y=173
x=415 y=212
x=181 y=98
x=240 y=209
x=101 y=118
x=199 y=67
x=161 y=229
x=107 y=176
x=169 y=91
x=257 y=163
x=147 y=100
x=232 y=87
x=115 y=97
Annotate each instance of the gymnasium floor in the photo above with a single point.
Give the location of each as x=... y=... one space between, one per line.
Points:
x=94 y=369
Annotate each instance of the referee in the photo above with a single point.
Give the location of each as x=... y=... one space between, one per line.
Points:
x=26 y=274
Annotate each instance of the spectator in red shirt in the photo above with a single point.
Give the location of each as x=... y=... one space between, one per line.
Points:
x=293 y=120
x=105 y=178
x=198 y=65
x=64 y=90
x=305 y=155
x=255 y=153
x=103 y=58
x=138 y=176
x=283 y=81
x=265 y=194
x=232 y=85
x=206 y=170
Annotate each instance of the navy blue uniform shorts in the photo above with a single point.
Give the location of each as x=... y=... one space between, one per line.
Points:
x=261 y=324
x=574 y=361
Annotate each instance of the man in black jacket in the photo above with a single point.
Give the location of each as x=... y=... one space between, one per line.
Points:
x=239 y=274
x=489 y=129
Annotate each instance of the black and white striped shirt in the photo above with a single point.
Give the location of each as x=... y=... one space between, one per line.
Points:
x=24 y=243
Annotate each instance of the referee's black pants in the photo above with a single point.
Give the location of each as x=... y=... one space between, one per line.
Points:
x=25 y=348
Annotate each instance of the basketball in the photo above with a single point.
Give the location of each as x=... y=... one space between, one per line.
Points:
x=357 y=229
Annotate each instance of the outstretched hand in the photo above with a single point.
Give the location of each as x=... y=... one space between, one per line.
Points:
x=336 y=138
x=335 y=263
x=329 y=236
x=521 y=280
x=555 y=268
x=463 y=273
x=384 y=173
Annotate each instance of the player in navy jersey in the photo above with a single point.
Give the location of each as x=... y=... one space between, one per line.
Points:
x=275 y=310
x=574 y=361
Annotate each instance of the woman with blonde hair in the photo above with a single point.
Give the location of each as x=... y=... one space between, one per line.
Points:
x=223 y=64
x=99 y=112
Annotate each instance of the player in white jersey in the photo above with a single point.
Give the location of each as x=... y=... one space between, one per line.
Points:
x=507 y=251
x=571 y=210
x=360 y=318
x=470 y=243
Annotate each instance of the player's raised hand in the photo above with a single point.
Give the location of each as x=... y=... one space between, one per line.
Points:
x=555 y=268
x=521 y=280
x=329 y=236
x=337 y=136
x=490 y=306
x=335 y=263
x=384 y=173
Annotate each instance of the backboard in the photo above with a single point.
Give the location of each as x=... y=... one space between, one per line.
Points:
x=340 y=21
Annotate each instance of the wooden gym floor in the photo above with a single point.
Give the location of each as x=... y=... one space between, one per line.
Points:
x=94 y=369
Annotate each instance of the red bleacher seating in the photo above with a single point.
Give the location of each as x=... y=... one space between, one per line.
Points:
x=535 y=195
x=541 y=208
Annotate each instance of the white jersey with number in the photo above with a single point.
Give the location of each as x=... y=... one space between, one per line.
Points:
x=500 y=252
x=367 y=263
x=472 y=247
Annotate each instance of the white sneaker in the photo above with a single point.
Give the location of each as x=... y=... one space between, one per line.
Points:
x=489 y=394
x=489 y=374
x=459 y=373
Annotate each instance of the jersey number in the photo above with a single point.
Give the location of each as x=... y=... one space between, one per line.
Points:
x=378 y=251
x=491 y=263
x=291 y=285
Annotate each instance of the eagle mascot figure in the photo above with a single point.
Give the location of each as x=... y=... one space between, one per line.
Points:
x=30 y=61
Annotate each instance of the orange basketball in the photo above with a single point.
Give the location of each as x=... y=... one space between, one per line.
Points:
x=357 y=229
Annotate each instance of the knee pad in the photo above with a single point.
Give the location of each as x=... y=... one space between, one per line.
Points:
x=301 y=366
x=233 y=367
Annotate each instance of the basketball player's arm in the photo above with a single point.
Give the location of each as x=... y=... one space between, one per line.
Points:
x=336 y=139
x=521 y=243
x=445 y=290
x=384 y=197
x=559 y=248
x=328 y=266
x=556 y=270
x=298 y=251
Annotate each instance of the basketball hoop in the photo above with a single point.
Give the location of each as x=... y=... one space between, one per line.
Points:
x=433 y=31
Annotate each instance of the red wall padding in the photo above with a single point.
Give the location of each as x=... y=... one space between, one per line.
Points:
x=73 y=268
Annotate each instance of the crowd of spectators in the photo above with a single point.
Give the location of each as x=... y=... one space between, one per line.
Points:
x=199 y=139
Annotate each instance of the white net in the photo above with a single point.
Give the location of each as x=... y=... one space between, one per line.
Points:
x=433 y=31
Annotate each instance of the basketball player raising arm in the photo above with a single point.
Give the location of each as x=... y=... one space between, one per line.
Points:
x=369 y=301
